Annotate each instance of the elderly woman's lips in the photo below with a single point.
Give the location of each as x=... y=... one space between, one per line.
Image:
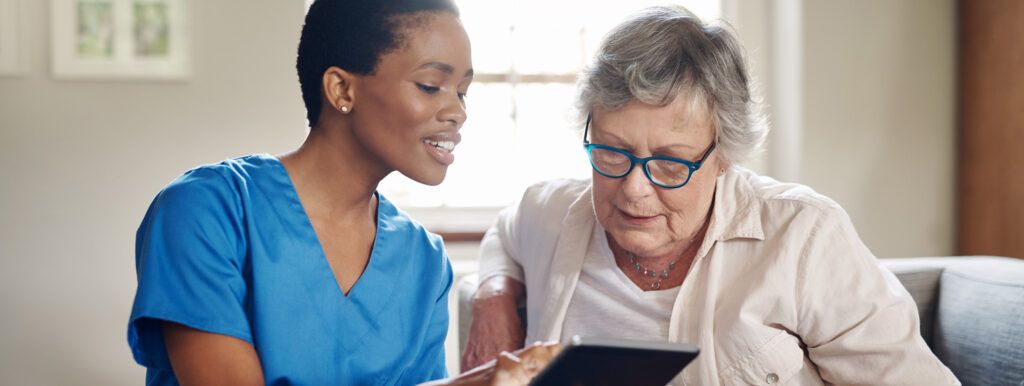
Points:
x=636 y=219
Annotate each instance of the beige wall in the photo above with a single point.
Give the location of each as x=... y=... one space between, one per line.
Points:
x=862 y=107
x=878 y=118
x=82 y=160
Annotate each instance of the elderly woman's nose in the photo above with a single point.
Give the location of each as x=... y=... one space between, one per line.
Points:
x=635 y=184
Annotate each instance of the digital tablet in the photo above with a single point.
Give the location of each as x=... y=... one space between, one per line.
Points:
x=608 y=361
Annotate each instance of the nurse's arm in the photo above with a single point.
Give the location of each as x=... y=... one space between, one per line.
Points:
x=206 y=358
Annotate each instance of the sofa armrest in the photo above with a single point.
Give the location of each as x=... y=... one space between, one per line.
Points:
x=921 y=276
x=466 y=289
x=979 y=323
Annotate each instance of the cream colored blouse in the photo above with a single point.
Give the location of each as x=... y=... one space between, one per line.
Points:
x=782 y=290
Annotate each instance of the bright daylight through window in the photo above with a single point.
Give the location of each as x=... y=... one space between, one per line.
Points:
x=522 y=126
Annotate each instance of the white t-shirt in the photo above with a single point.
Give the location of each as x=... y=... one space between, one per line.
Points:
x=627 y=311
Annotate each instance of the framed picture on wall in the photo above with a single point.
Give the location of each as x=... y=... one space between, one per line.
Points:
x=120 y=39
x=12 y=48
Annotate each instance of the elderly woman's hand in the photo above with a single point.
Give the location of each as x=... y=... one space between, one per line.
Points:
x=495 y=326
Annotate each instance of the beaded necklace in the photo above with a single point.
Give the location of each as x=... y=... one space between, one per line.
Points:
x=671 y=266
x=654 y=273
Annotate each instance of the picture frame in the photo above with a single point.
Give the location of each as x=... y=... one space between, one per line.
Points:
x=12 y=46
x=120 y=39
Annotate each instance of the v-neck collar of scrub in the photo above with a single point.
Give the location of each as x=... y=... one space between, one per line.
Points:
x=370 y=290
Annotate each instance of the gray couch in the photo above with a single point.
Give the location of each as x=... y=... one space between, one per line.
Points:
x=971 y=307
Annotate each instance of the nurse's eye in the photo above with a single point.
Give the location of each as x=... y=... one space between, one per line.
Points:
x=428 y=89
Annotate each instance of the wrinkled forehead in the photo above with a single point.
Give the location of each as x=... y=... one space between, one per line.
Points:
x=693 y=112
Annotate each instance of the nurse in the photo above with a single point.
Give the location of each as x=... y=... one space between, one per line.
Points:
x=293 y=269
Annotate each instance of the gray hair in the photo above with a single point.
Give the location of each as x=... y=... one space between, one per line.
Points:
x=661 y=53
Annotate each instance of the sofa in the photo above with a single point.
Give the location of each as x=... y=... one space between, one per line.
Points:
x=971 y=308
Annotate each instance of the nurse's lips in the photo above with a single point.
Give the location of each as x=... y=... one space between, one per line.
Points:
x=441 y=145
x=636 y=219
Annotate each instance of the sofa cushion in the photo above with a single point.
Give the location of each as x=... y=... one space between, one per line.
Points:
x=920 y=276
x=979 y=326
x=466 y=289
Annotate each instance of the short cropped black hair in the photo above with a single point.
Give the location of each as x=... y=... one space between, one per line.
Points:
x=352 y=35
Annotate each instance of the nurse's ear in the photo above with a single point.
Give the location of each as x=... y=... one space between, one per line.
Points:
x=338 y=89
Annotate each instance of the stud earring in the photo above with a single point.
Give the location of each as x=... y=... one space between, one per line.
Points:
x=344 y=109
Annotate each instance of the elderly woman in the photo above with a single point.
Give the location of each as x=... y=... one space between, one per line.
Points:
x=672 y=240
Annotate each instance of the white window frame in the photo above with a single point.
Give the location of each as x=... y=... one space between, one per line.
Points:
x=465 y=222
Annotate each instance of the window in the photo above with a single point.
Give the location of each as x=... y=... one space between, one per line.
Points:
x=522 y=127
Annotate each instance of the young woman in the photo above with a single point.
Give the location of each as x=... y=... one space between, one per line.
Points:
x=292 y=269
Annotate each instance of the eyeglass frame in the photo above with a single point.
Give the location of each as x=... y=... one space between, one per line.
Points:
x=634 y=160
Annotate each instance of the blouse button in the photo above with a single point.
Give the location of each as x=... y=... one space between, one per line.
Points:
x=772 y=378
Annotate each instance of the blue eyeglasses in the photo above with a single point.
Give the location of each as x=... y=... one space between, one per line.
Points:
x=666 y=172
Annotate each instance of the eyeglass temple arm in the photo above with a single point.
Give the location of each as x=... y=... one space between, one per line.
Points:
x=586 y=129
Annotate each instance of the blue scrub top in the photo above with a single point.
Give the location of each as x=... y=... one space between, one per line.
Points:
x=228 y=248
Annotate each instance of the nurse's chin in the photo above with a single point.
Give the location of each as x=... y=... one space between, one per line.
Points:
x=428 y=177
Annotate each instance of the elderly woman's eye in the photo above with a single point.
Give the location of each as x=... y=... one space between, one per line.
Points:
x=671 y=167
x=608 y=157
